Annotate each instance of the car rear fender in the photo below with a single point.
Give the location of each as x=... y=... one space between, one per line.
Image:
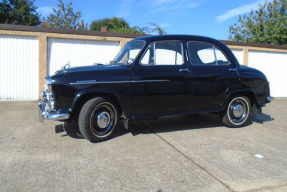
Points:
x=250 y=93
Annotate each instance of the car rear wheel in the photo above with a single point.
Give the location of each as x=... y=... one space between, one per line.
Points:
x=237 y=113
x=97 y=120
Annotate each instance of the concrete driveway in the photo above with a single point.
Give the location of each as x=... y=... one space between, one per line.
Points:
x=187 y=153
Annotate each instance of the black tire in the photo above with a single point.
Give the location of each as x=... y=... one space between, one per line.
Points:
x=72 y=128
x=238 y=112
x=98 y=119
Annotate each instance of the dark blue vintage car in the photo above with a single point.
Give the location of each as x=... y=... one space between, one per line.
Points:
x=155 y=76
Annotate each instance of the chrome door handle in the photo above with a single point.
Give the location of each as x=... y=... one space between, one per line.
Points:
x=182 y=70
x=233 y=70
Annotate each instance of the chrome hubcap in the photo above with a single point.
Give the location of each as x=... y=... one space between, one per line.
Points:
x=103 y=119
x=237 y=110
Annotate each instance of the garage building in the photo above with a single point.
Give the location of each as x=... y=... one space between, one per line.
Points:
x=28 y=54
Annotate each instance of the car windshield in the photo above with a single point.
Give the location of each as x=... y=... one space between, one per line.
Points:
x=128 y=54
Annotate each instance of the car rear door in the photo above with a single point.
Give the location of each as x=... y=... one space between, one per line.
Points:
x=212 y=75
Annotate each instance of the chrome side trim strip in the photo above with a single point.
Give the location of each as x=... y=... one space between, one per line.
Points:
x=103 y=82
x=99 y=82
x=147 y=81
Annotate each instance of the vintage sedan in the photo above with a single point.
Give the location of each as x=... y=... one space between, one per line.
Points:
x=155 y=76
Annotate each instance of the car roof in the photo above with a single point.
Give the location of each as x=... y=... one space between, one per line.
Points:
x=174 y=37
x=218 y=43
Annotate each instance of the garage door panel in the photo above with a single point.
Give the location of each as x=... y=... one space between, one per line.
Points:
x=238 y=53
x=274 y=66
x=19 y=68
x=79 y=52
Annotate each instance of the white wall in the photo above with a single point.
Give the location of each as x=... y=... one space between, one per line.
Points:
x=274 y=66
x=79 y=52
x=19 y=68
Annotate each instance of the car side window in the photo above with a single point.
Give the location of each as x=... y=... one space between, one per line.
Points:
x=163 y=53
x=205 y=54
x=129 y=56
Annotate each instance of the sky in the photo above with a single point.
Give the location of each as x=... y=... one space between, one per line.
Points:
x=210 y=18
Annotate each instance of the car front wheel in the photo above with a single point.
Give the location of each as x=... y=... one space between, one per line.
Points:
x=97 y=120
x=237 y=113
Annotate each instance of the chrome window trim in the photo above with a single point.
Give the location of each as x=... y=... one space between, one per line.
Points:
x=137 y=54
x=144 y=65
x=213 y=46
x=214 y=52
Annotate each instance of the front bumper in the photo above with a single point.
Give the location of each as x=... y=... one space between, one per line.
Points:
x=51 y=115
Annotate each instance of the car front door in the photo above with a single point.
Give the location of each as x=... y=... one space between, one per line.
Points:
x=161 y=80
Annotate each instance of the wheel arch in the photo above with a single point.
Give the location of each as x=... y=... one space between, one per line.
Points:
x=250 y=93
x=85 y=95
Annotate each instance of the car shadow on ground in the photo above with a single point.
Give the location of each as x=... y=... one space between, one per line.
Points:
x=74 y=133
x=176 y=123
x=68 y=132
x=185 y=122
x=165 y=124
x=261 y=118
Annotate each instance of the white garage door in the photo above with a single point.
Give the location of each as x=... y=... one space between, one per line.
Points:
x=238 y=53
x=19 y=68
x=79 y=52
x=274 y=66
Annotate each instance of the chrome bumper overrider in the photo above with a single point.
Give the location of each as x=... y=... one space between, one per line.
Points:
x=43 y=114
x=47 y=107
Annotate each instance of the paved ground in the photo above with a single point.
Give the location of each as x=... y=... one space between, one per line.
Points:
x=188 y=153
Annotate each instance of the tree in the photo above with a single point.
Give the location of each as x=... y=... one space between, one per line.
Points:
x=64 y=17
x=19 y=12
x=154 y=29
x=114 y=24
x=117 y=24
x=267 y=25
